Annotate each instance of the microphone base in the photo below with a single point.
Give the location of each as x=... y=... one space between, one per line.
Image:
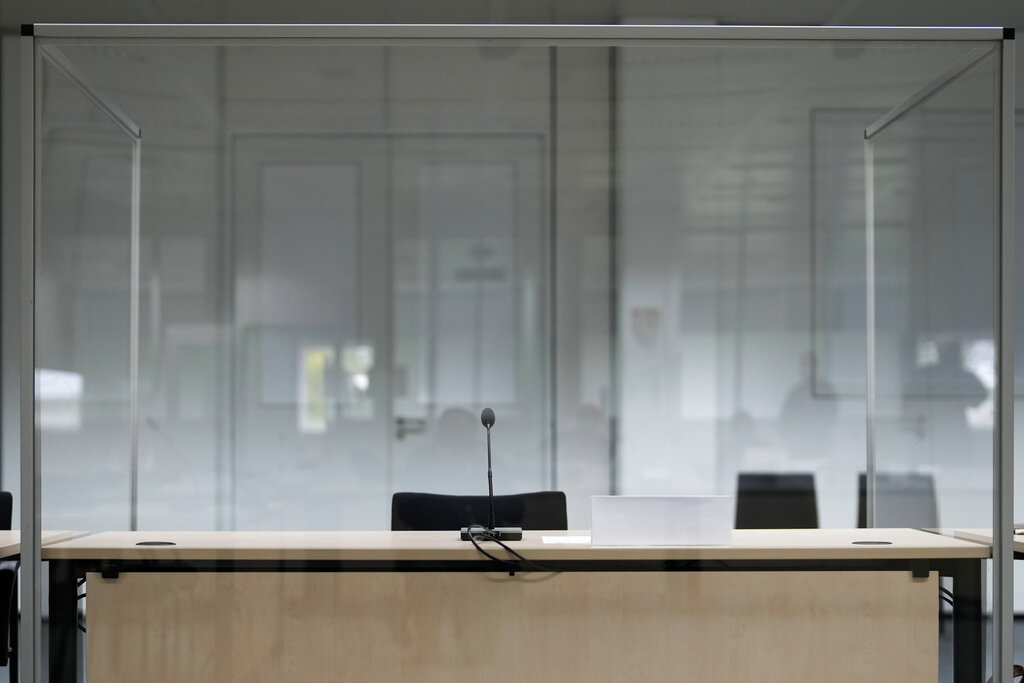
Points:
x=501 y=533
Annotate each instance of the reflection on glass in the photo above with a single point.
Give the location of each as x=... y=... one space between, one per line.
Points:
x=935 y=303
x=83 y=311
x=340 y=270
x=357 y=362
x=316 y=407
x=649 y=260
x=60 y=400
x=941 y=393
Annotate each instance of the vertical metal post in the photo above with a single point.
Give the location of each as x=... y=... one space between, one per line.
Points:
x=10 y=265
x=31 y=590
x=869 y=328
x=615 y=391
x=133 y=333
x=551 y=414
x=1002 y=460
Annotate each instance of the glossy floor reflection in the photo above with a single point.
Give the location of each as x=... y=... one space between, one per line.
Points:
x=946 y=646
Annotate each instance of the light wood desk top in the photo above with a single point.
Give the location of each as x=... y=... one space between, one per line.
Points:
x=747 y=544
x=984 y=536
x=10 y=541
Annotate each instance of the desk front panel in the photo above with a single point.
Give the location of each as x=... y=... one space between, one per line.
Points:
x=471 y=626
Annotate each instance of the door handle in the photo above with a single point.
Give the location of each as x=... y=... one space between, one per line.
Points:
x=409 y=425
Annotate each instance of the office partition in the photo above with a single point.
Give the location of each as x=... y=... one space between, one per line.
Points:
x=279 y=270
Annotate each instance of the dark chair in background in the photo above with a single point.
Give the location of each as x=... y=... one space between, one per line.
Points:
x=8 y=596
x=769 y=500
x=901 y=500
x=437 y=512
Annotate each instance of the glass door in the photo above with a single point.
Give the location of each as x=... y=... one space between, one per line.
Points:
x=386 y=289
x=469 y=312
x=310 y=447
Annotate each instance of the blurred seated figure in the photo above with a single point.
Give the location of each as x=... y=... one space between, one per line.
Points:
x=808 y=415
x=936 y=400
x=770 y=500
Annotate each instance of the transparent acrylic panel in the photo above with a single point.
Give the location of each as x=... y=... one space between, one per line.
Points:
x=340 y=267
x=83 y=312
x=647 y=260
x=741 y=262
x=935 y=227
x=583 y=250
x=308 y=441
x=468 y=316
x=87 y=163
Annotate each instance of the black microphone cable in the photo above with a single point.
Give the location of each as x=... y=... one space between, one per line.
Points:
x=479 y=531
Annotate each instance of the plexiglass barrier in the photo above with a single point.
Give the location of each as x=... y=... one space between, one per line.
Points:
x=87 y=312
x=934 y=234
x=280 y=275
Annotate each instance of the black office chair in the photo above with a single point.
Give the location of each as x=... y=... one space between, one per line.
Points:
x=8 y=596
x=437 y=512
x=767 y=500
x=901 y=500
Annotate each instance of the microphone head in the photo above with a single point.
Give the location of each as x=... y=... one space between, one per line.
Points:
x=487 y=418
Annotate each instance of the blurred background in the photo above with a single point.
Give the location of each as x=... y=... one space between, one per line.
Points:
x=650 y=262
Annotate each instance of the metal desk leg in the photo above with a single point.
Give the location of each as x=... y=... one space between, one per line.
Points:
x=968 y=626
x=63 y=622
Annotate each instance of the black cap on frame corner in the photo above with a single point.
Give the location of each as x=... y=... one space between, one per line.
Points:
x=28 y=30
x=1008 y=33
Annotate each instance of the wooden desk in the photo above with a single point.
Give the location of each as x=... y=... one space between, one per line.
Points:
x=10 y=541
x=984 y=536
x=10 y=544
x=774 y=606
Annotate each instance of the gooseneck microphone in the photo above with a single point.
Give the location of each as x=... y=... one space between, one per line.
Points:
x=487 y=420
x=492 y=532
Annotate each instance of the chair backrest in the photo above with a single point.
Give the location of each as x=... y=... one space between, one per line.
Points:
x=6 y=509
x=901 y=500
x=436 y=512
x=770 y=500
